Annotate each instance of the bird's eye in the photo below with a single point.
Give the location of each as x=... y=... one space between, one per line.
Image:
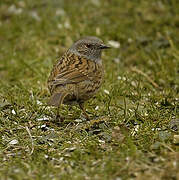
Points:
x=88 y=45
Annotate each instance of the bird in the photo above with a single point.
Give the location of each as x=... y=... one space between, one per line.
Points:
x=78 y=75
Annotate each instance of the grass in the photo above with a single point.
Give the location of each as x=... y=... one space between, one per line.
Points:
x=133 y=136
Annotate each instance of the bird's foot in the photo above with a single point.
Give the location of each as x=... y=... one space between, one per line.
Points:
x=85 y=116
x=58 y=119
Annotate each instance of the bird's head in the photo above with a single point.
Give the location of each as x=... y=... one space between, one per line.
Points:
x=89 y=47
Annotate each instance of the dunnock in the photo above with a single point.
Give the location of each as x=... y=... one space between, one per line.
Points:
x=78 y=74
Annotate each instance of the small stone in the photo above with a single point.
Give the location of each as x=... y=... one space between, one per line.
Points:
x=13 y=142
x=106 y=91
x=35 y=15
x=13 y=112
x=96 y=108
x=39 y=103
x=60 y=12
x=43 y=119
x=114 y=44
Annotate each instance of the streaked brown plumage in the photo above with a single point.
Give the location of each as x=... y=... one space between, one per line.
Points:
x=78 y=75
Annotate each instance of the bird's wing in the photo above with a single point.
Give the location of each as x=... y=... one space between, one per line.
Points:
x=72 y=69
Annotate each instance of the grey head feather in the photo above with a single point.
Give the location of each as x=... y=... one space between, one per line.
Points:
x=89 y=47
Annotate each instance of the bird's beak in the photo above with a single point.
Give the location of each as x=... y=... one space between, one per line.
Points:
x=103 y=46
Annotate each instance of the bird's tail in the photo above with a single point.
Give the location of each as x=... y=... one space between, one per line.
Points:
x=56 y=99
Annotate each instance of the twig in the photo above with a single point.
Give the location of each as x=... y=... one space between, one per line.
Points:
x=28 y=131
x=125 y=108
x=145 y=75
x=166 y=146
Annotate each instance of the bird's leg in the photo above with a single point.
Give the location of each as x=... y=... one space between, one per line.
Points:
x=58 y=117
x=81 y=104
x=84 y=111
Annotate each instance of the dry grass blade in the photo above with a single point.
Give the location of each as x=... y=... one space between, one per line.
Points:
x=134 y=69
x=32 y=148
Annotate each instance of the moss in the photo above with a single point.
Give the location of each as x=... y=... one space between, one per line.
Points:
x=130 y=134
